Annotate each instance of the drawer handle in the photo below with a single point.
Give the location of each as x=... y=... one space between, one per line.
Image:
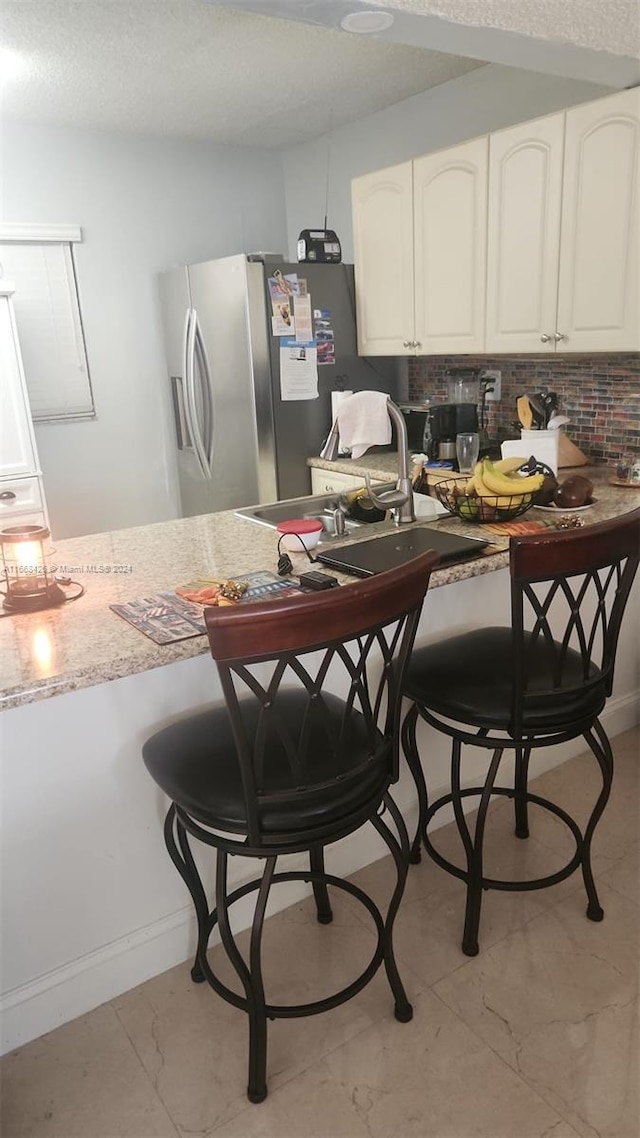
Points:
x=7 y=496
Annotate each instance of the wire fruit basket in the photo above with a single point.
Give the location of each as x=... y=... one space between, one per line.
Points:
x=488 y=508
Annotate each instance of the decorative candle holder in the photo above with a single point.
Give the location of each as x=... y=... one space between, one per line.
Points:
x=28 y=572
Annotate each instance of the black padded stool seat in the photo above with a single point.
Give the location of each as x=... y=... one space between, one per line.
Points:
x=538 y=683
x=182 y=756
x=301 y=753
x=470 y=678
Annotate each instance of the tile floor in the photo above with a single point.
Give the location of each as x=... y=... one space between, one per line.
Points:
x=536 y=1037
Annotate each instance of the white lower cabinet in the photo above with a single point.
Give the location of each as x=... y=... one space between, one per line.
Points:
x=328 y=482
x=19 y=496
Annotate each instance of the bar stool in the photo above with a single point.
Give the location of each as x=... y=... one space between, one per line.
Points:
x=286 y=765
x=539 y=683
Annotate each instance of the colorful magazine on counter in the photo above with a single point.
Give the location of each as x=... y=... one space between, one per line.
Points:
x=168 y=617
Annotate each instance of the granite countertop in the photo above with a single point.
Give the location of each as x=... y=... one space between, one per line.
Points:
x=83 y=643
x=377 y=465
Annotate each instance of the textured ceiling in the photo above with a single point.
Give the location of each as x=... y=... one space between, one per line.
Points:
x=603 y=25
x=596 y=41
x=183 y=68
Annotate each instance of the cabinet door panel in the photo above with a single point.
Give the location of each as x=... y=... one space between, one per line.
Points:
x=598 y=306
x=383 y=255
x=525 y=193
x=450 y=218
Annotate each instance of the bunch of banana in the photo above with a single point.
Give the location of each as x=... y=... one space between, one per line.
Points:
x=501 y=482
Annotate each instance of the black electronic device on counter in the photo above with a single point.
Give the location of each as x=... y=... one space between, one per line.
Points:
x=317 y=582
x=378 y=554
x=319 y=246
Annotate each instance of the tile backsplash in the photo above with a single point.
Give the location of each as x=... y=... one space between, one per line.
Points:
x=596 y=392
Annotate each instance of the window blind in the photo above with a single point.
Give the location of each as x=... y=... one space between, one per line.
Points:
x=49 y=326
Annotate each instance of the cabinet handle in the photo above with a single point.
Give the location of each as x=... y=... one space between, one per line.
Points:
x=545 y=339
x=7 y=496
x=406 y=343
x=416 y=344
x=558 y=336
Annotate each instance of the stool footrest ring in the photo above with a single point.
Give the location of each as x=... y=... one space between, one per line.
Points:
x=291 y=1011
x=497 y=883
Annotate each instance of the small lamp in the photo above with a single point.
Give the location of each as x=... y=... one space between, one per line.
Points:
x=28 y=572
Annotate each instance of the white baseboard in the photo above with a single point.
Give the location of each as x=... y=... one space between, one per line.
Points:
x=40 y=1005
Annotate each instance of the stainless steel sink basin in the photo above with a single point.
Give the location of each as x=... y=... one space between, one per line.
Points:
x=320 y=506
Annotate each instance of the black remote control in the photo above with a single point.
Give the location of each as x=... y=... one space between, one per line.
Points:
x=317 y=581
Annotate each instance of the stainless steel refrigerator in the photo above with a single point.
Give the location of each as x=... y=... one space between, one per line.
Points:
x=239 y=442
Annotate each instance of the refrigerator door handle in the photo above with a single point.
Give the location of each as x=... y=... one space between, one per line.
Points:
x=186 y=402
x=190 y=394
x=206 y=387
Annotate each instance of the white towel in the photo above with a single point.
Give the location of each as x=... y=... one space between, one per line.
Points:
x=363 y=421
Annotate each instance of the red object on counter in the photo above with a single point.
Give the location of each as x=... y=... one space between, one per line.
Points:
x=300 y=525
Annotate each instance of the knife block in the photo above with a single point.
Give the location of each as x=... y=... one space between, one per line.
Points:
x=569 y=454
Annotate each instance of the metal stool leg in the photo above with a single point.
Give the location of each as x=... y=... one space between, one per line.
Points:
x=251 y=977
x=400 y=851
x=320 y=891
x=601 y=748
x=520 y=786
x=473 y=849
x=410 y=749
x=183 y=860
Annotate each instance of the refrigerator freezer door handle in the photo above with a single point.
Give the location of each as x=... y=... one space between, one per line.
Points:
x=206 y=385
x=188 y=413
x=190 y=394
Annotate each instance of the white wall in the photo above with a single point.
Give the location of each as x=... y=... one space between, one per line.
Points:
x=487 y=99
x=144 y=205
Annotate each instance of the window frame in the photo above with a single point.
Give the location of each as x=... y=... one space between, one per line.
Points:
x=37 y=233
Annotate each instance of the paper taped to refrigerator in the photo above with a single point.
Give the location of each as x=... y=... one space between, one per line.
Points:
x=298 y=370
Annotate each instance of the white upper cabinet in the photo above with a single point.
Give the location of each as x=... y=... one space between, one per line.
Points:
x=383 y=247
x=599 y=297
x=450 y=211
x=525 y=240
x=17 y=447
x=525 y=193
x=420 y=246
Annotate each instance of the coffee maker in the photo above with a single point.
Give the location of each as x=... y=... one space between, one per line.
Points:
x=446 y=420
x=457 y=416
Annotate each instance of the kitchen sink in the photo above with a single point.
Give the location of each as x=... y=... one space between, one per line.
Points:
x=320 y=506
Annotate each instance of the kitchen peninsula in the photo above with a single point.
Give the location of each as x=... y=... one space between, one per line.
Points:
x=91 y=905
